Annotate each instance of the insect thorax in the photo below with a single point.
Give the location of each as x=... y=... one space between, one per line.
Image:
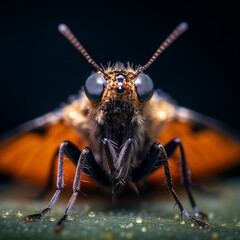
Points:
x=115 y=120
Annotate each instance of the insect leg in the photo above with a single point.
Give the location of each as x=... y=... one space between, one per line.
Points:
x=157 y=156
x=94 y=170
x=76 y=189
x=148 y=165
x=68 y=149
x=111 y=157
x=118 y=163
x=170 y=148
x=164 y=159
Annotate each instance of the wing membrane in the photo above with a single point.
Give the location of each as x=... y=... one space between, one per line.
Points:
x=29 y=156
x=210 y=147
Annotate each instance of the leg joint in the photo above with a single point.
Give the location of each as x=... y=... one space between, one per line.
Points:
x=177 y=140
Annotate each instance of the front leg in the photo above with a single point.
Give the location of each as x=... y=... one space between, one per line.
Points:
x=85 y=162
x=68 y=149
x=81 y=159
x=157 y=157
x=118 y=163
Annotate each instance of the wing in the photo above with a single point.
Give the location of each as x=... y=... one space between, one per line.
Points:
x=210 y=147
x=31 y=152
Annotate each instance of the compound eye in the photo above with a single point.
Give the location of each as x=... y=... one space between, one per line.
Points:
x=94 y=87
x=144 y=86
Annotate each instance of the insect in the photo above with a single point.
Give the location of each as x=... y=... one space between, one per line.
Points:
x=119 y=131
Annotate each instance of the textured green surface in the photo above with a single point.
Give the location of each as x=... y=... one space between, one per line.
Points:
x=149 y=219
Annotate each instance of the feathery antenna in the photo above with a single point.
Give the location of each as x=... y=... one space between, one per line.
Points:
x=179 y=30
x=66 y=32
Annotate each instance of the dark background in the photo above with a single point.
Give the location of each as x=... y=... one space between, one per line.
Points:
x=39 y=69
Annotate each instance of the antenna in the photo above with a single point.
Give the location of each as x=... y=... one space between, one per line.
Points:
x=66 y=32
x=179 y=30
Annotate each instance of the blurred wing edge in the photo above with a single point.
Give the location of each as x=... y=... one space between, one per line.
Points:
x=183 y=114
x=32 y=125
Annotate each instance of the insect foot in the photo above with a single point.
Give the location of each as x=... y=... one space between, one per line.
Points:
x=197 y=222
x=36 y=216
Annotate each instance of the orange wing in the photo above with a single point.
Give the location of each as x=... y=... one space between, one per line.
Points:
x=209 y=149
x=29 y=156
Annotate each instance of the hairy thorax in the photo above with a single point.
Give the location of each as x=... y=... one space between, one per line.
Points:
x=117 y=121
x=121 y=123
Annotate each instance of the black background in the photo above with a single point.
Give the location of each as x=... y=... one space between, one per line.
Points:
x=39 y=69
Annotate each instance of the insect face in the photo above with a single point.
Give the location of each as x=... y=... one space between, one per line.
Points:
x=118 y=91
x=120 y=83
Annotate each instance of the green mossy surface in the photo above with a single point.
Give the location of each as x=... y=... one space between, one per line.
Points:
x=146 y=219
